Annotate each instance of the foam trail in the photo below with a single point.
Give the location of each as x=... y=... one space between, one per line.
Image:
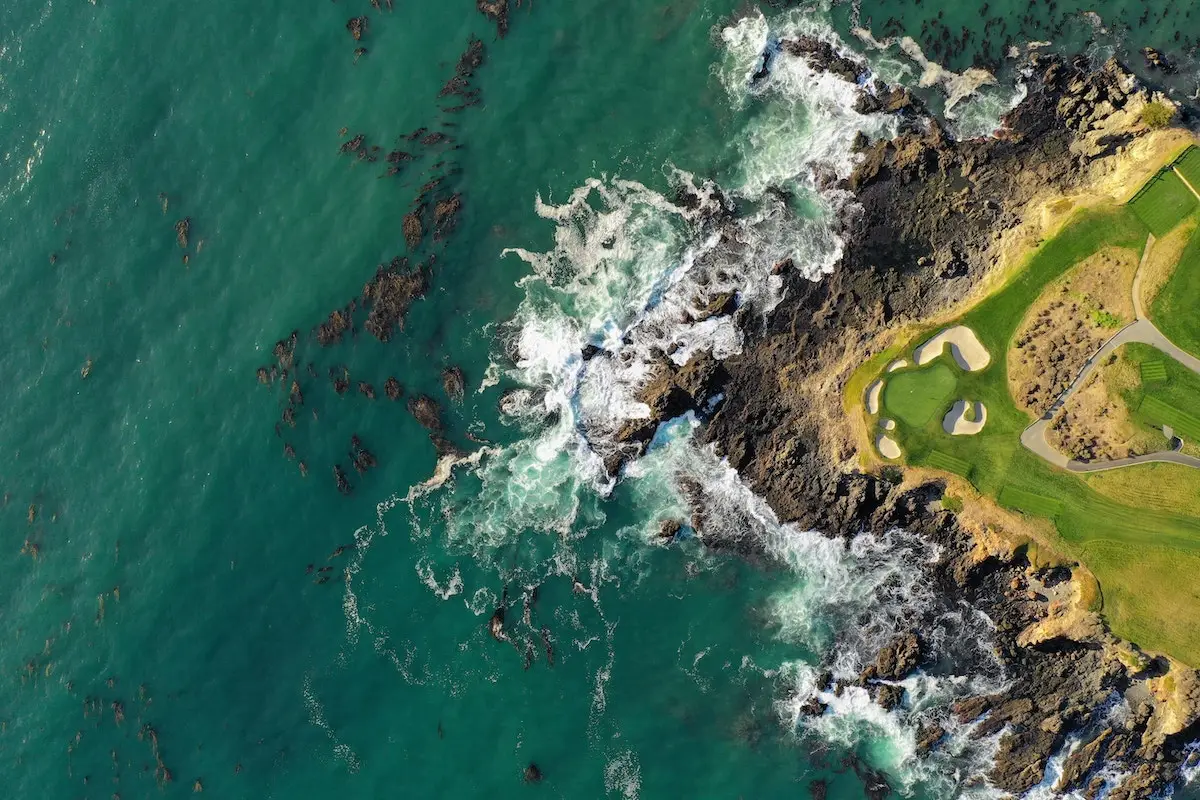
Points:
x=636 y=277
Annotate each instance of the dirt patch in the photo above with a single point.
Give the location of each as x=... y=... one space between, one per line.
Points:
x=1074 y=316
x=1160 y=264
x=1094 y=425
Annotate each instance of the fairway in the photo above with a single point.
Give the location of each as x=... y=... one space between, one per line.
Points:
x=1174 y=309
x=1163 y=202
x=915 y=396
x=1153 y=371
x=1189 y=165
x=1030 y=503
x=939 y=460
x=1159 y=412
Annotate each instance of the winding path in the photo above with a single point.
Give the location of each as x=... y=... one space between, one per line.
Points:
x=1141 y=330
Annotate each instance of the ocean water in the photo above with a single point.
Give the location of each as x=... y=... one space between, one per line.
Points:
x=158 y=609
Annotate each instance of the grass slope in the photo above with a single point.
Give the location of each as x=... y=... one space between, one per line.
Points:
x=1175 y=309
x=1140 y=554
x=1163 y=202
x=1189 y=165
x=1172 y=399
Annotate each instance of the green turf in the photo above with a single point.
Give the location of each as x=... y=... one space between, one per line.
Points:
x=1153 y=371
x=1163 y=202
x=1030 y=503
x=1176 y=309
x=948 y=463
x=1189 y=165
x=1173 y=400
x=1160 y=413
x=917 y=396
x=1139 y=553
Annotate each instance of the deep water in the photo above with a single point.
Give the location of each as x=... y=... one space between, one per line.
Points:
x=156 y=598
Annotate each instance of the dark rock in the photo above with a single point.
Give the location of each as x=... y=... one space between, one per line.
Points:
x=533 y=774
x=393 y=389
x=928 y=737
x=822 y=56
x=339 y=477
x=669 y=529
x=358 y=27
x=1082 y=761
x=454 y=383
x=426 y=411
x=896 y=660
x=366 y=390
x=1156 y=60
x=889 y=695
x=497 y=12
x=182 y=228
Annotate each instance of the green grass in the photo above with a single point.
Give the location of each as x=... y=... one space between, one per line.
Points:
x=1159 y=413
x=1189 y=165
x=1175 y=308
x=1163 y=202
x=916 y=396
x=1153 y=371
x=1172 y=399
x=948 y=463
x=1140 y=552
x=1030 y=503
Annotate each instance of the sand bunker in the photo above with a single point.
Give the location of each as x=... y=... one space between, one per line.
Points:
x=887 y=447
x=887 y=424
x=873 y=392
x=957 y=424
x=964 y=346
x=899 y=363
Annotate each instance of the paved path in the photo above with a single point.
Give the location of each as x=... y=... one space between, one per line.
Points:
x=1186 y=182
x=1140 y=330
x=1137 y=280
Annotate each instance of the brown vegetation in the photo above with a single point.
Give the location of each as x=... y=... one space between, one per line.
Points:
x=1069 y=322
x=1094 y=425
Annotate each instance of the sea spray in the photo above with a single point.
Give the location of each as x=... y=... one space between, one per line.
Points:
x=632 y=276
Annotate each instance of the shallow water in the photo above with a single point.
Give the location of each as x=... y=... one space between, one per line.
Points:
x=173 y=535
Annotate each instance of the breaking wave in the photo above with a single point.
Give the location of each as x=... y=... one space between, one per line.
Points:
x=636 y=276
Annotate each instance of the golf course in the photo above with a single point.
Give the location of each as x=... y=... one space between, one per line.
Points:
x=981 y=396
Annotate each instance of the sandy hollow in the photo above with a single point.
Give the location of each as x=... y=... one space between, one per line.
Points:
x=957 y=424
x=887 y=447
x=970 y=354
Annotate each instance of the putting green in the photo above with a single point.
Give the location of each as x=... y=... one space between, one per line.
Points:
x=916 y=396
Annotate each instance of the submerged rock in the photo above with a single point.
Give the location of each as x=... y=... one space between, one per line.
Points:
x=454 y=383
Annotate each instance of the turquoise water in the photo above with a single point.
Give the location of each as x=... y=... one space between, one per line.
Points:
x=172 y=536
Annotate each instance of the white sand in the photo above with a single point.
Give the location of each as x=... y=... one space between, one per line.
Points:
x=899 y=363
x=887 y=424
x=957 y=424
x=887 y=447
x=970 y=354
x=873 y=392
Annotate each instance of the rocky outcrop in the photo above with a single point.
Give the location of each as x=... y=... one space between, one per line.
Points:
x=928 y=222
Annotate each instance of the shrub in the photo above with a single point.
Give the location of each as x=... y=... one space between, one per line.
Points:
x=952 y=503
x=893 y=475
x=1157 y=115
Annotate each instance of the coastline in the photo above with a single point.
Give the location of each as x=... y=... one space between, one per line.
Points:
x=812 y=461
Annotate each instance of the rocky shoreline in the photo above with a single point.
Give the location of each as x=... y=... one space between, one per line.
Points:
x=932 y=215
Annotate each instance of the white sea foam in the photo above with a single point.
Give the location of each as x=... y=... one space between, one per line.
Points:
x=631 y=272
